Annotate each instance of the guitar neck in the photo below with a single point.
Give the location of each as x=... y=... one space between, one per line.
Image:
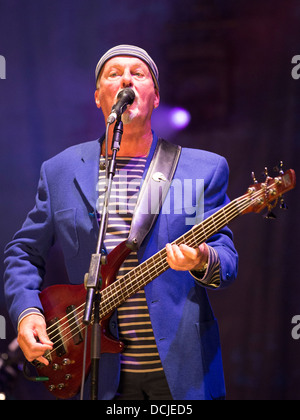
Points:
x=120 y=290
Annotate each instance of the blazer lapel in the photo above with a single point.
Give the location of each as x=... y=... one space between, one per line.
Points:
x=86 y=173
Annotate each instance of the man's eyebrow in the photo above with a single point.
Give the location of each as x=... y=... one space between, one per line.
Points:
x=113 y=66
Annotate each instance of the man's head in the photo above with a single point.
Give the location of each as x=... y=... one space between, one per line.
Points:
x=127 y=66
x=130 y=51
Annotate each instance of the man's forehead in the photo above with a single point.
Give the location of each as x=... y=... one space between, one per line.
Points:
x=125 y=60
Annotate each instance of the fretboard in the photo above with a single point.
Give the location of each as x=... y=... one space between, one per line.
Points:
x=119 y=291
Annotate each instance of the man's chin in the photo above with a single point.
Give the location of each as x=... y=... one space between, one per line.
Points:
x=129 y=116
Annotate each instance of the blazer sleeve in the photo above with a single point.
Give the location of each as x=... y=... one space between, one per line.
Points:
x=223 y=261
x=26 y=254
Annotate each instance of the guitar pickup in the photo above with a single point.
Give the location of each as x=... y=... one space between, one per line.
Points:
x=56 y=337
x=74 y=324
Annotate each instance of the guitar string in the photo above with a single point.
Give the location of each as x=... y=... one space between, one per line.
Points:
x=189 y=236
x=136 y=284
x=237 y=203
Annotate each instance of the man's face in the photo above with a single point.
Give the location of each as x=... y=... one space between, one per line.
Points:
x=123 y=72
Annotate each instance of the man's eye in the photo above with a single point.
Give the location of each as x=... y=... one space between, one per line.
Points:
x=114 y=74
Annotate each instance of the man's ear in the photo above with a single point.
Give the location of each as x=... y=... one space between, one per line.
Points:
x=97 y=98
x=157 y=99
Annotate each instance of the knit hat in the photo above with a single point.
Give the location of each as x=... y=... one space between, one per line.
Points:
x=132 y=51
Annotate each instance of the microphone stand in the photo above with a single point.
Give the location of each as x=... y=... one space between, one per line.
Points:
x=93 y=278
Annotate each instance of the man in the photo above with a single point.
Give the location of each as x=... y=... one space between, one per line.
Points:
x=171 y=335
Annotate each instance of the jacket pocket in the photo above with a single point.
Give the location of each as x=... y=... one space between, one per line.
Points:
x=65 y=226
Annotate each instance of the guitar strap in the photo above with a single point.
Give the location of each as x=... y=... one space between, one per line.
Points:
x=153 y=192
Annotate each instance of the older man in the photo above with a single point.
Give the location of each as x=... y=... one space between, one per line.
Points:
x=172 y=348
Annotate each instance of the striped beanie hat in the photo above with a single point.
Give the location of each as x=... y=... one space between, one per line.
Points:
x=132 y=51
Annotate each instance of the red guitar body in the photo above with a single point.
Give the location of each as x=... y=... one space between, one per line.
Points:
x=63 y=309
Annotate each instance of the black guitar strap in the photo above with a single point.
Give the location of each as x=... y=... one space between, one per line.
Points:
x=153 y=192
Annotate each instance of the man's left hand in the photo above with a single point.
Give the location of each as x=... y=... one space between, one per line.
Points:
x=185 y=258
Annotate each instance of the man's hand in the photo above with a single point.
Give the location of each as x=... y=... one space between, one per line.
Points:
x=33 y=339
x=185 y=258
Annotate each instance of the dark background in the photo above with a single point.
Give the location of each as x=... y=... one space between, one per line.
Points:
x=229 y=63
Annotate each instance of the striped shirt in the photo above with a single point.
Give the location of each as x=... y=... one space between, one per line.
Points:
x=135 y=329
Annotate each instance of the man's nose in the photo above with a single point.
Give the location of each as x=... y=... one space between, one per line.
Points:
x=127 y=79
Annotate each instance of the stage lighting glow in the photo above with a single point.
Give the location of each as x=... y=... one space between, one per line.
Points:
x=168 y=120
x=180 y=118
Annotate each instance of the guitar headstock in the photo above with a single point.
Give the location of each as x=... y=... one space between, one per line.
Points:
x=266 y=194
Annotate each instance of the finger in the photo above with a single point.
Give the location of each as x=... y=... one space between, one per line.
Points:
x=38 y=353
x=170 y=252
x=43 y=338
x=175 y=258
x=42 y=359
x=31 y=346
x=188 y=252
x=177 y=254
x=170 y=255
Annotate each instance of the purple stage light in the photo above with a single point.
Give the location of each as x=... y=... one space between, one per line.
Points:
x=180 y=118
x=167 y=121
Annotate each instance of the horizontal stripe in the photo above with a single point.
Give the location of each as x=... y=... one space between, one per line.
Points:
x=131 y=315
x=127 y=324
x=125 y=362
x=138 y=338
x=142 y=370
x=141 y=354
x=133 y=308
x=137 y=332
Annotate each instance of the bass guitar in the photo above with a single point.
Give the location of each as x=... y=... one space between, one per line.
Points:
x=64 y=304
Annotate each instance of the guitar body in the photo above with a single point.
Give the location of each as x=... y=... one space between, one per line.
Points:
x=63 y=309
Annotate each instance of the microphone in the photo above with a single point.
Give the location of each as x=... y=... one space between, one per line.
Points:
x=125 y=97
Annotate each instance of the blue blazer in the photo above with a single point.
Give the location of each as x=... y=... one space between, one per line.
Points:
x=183 y=322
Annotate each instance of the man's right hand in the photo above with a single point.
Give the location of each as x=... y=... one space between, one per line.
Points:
x=33 y=339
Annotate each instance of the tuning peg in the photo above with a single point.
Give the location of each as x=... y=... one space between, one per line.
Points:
x=279 y=168
x=283 y=206
x=254 y=178
x=266 y=172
